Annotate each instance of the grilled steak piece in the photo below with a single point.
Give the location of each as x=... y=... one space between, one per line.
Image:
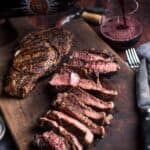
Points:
x=58 y=38
x=18 y=83
x=50 y=140
x=99 y=62
x=38 y=55
x=90 y=112
x=89 y=55
x=91 y=100
x=68 y=103
x=73 y=141
x=73 y=79
x=80 y=104
x=61 y=117
x=102 y=67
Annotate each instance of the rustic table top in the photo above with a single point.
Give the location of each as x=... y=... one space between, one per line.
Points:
x=144 y=16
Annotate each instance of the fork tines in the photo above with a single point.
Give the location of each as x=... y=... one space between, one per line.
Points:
x=133 y=59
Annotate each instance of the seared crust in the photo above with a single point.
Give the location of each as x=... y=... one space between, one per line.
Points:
x=36 y=61
x=20 y=84
x=39 y=53
x=59 y=38
x=49 y=140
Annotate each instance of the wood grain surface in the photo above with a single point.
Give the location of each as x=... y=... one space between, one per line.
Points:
x=22 y=115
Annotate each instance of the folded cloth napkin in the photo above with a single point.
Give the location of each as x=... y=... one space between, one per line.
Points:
x=144 y=52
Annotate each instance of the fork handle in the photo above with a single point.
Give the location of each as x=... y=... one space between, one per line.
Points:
x=145 y=130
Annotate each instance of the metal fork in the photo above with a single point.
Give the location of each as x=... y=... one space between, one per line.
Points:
x=133 y=59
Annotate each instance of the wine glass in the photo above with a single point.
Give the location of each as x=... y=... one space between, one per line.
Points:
x=119 y=25
x=118 y=7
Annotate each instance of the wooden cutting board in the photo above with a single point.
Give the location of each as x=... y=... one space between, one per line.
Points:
x=22 y=115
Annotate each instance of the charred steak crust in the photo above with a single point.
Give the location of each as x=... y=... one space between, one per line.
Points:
x=69 y=103
x=72 y=139
x=36 y=62
x=70 y=78
x=94 y=60
x=39 y=54
x=62 y=117
x=89 y=55
x=20 y=84
x=78 y=115
x=91 y=100
x=50 y=140
x=59 y=38
x=100 y=66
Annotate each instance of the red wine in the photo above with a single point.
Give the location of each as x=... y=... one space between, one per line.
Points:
x=111 y=30
x=122 y=6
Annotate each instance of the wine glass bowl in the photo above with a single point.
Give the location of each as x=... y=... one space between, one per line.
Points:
x=119 y=26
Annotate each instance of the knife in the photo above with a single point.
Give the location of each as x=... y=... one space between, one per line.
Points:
x=143 y=103
x=92 y=14
x=2 y=128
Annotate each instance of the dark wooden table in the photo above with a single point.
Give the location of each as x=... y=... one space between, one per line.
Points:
x=144 y=16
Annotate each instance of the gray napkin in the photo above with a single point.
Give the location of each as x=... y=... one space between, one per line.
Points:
x=144 y=52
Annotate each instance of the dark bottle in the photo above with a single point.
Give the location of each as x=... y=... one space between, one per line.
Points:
x=10 y=8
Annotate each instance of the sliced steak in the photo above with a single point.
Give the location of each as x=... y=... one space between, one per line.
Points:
x=99 y=66
x=39 y=54
x=37 y=60
x=90 y=112
x=62 y=117
x=50 y=140
x=73 y=79
x=88 y=55
x=69 y=104
x=73 y=141
x=91 y=100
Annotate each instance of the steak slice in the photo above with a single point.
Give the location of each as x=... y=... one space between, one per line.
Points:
x=82 y=103
x=37 y=60
x=99 y=66
x=89 y=55
x=62 y=117
x=39 y=54
x=73 y=141
x=50 y=140
x=69 y=104
x=94 y=61
x=91 y=100
x=73 y=79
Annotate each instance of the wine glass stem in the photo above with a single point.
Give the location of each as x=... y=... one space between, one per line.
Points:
x=121 y=2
